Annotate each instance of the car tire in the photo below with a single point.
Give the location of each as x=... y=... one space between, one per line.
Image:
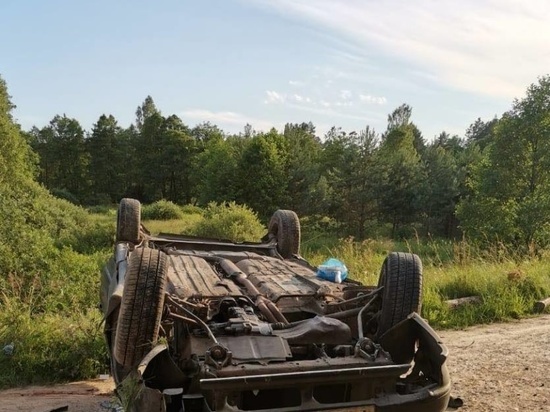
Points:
x=401 y=277
x=284 y=225
x=128 y=220
x=141 y=307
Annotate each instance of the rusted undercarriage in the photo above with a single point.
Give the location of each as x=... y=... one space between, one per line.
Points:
x=242 y=329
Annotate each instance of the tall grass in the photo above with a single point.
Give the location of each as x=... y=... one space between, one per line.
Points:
x=507 y=284
x=50 y=347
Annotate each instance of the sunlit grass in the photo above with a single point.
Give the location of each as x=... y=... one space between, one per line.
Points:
x=508 y=286
x=184 y=225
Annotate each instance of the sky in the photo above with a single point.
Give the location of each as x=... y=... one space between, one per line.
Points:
x=346 y=63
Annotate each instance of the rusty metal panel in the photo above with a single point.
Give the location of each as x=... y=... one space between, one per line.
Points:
x=276 y=278
x=192 y=276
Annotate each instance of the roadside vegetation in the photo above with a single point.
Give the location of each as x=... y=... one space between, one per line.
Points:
x=476 y=209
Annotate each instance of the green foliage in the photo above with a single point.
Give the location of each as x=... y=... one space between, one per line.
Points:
x=192 y=210
x=261 y=180
x=508 y=289
x=349 y=171
x=216 y=171
x=161 y=210
x=503 y=296
x=514 y=177
x=107 y=153
x=398 y=186
x=65 y=194
x=50 y=347
x=47 y=285
x=230 y=221
x=302 y=154
x=63 y=156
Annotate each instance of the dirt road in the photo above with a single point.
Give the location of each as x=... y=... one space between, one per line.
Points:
x=501 y=367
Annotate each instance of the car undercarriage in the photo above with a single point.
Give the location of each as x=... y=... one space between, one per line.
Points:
x=196 y=324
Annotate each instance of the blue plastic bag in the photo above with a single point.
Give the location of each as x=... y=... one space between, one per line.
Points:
x=332 y=269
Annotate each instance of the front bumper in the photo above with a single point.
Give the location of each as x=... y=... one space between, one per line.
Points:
x=346 y=387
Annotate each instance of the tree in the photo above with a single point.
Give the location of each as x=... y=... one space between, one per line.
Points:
x=176 y=161
x=440 y=189
x=215 y=171
x=510 y=198
x=63 y=156
x=145 y=111
x=481 y=133
x=348 y=163
x=106 y=160
x=302 y=166
x=17 y=161
x=261 y=176
x=398 y=187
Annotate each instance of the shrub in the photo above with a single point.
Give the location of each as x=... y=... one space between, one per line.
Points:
x=65 y=195
x=192 y=210
x=231 y=221
x=50 y=347
x=161 y=210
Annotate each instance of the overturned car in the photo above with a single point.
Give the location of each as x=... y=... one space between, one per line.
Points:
x=195 y=324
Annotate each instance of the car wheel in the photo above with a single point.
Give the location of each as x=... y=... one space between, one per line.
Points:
x=128 y=221
x=141 y=308
x=284 y=225
x=401 y=277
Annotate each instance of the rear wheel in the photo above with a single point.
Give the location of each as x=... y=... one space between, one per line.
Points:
x=401 y=277
x=285 y=227
x=128 y=221
x=141 y=308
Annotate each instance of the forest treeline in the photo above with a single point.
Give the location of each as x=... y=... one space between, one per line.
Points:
x=492 y=184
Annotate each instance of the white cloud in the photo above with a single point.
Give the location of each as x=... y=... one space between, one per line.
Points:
x=280 y=98
x=274 y=97
x=367 y=98
x=324 y=103
x=346 y=94
x=296 y=83
x=491 y=47
x=227 y=119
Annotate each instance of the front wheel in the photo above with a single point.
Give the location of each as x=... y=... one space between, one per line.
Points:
x=401 y=277
x=141 y=308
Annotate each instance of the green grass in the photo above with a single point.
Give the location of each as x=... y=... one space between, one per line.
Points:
x=50 y=347
x=174 y=226
x=507 y=285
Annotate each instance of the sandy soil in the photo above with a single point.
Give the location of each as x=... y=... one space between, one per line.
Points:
x=500 y=367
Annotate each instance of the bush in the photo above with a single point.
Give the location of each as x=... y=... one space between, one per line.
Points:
x=161 y=210
x=230 y=221
x=45 y=283
x=50 y=347
x=192 y=210
x=65 y=195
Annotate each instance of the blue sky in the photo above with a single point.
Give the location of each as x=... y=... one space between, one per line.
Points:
x=347 y=63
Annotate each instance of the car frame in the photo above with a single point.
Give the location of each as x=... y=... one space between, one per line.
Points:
x=199 y=324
